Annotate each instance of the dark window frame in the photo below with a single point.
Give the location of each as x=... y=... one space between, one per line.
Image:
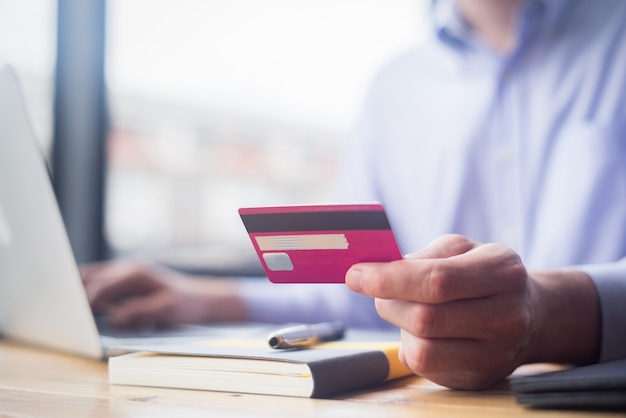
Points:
x=80 y=119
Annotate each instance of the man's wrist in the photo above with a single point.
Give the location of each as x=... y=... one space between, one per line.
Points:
x=566 y=324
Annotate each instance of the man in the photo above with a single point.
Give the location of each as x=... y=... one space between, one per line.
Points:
x=527 y=149
x=508 y=125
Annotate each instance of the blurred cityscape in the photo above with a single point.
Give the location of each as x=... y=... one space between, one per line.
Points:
x=178 y=174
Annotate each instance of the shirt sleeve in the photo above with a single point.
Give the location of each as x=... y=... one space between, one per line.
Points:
x=610 y=281
x=308 y=303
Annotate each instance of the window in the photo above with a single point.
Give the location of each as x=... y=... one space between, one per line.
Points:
x=221 y=104
x=28 y=43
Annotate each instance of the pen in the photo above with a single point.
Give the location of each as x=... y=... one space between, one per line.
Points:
x=306 y=335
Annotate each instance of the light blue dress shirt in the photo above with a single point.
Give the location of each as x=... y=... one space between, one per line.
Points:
x=527 y=150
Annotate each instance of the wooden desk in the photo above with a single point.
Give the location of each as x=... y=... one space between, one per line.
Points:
x=35 y=383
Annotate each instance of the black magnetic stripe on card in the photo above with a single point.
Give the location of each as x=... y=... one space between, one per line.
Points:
x=315 y=221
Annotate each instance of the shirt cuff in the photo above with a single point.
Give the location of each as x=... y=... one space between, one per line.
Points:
x=610 y=281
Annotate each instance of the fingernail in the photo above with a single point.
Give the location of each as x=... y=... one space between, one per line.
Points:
x=353 y=280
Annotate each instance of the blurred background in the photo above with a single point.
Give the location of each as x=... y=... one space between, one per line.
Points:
x=160 y=118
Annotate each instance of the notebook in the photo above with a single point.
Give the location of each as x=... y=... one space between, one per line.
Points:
x=42 y=299
x=361 y=359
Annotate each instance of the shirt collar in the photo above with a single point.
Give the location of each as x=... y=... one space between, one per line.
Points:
x=449 y=25
x=452 y=29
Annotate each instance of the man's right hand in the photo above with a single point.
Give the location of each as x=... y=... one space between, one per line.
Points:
x=470 y=313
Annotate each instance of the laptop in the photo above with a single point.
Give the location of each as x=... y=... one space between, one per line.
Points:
x=42 y=299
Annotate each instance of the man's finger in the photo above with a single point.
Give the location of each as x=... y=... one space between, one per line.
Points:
x=443 y=247
x=484 y=318
x=151 y=309
x=88 y=271
x=456 y=363
x=480 y=272
x=118 y=281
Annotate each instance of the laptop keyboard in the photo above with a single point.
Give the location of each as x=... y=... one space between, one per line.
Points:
x=106 y=328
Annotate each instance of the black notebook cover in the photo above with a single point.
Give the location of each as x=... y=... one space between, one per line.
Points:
x=601 y=385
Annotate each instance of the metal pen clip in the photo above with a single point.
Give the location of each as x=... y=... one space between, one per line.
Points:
x=306 y=335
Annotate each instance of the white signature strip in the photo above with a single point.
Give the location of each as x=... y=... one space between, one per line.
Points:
x=303 y=242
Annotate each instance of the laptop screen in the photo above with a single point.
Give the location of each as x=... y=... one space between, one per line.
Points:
x=42 y=299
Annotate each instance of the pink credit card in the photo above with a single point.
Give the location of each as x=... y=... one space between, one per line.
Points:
x=319 y=243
